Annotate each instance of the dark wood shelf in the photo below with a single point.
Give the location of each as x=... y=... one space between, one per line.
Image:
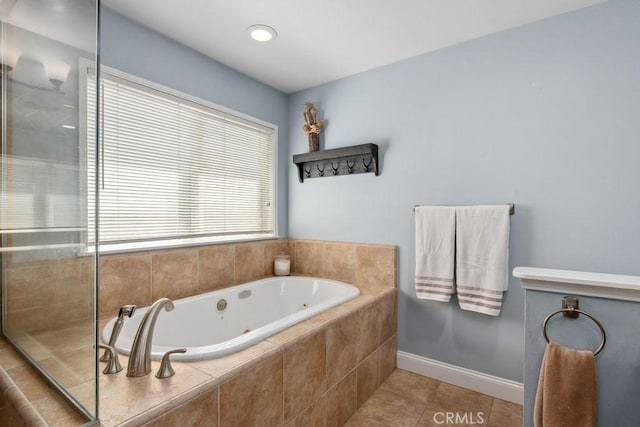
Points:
x=338 y=161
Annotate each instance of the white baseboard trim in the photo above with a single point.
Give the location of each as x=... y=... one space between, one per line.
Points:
x=477 y=381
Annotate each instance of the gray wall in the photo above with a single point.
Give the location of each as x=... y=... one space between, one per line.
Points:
x=544 y=116
x=135 y=49
x=616 y=365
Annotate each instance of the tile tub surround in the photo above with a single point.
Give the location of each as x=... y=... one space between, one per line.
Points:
x=366 y=266
x=142 y=277
x=313 y=373
x=128 y=278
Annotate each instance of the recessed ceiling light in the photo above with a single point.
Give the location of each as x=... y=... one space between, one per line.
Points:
x=68 y=126
x=262 y=33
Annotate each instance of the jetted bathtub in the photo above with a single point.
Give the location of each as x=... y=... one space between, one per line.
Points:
x=208 y=327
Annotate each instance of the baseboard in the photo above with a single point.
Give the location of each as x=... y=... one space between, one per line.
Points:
x=477 y=381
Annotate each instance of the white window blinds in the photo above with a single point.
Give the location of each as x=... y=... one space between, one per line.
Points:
x=174 y=169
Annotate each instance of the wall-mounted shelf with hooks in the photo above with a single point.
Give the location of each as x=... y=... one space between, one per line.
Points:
x=338 y=161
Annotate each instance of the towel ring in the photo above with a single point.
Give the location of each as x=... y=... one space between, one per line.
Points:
x=575 y=310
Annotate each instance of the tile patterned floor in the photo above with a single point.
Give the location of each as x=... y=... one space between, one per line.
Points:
x=407 y=399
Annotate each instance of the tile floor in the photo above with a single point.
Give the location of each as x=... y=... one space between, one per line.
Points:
x=408 y=399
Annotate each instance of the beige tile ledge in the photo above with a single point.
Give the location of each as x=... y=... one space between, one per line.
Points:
x=9 y=357
x=36 y=402
x=375 y=289
x=15 y=401
x=223 y=368
x=128 y=401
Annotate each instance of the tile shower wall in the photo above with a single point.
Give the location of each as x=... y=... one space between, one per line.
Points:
x=62 y=286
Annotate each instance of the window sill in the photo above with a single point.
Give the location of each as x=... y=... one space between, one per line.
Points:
x=115 y=248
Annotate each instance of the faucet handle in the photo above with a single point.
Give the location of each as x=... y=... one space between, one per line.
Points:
x=126 y=310
x=113 y=364
x=166 y=370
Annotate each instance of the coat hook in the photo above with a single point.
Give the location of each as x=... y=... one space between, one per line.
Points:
x=366 y=165
x=320 y=171
x=307 y=172
x=350 y=165
x=335 y=168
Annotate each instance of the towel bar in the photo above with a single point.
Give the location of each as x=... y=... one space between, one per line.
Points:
x=512 y=208
x=571 y=312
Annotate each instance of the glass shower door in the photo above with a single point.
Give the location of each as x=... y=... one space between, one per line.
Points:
x=48 y=259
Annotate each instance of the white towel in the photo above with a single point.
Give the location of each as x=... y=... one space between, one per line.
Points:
x=435 y=245
x=482 y=253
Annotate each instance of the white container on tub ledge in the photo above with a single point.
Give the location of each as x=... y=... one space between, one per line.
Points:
x=281 y=265
x=614 y=286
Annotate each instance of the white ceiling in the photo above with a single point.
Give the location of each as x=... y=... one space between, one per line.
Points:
x=321 y=41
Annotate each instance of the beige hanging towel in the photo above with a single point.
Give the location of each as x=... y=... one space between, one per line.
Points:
x=435 y=245
x=567 y=388
x=482 y=257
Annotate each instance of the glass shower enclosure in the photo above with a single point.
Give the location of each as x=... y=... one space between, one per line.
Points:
x=49 y=255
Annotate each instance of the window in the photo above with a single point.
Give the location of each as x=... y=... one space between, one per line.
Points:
x=176 y=169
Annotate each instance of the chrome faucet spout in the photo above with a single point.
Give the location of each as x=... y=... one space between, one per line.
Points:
x=140 y=357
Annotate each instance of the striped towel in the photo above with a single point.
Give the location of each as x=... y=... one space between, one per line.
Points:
x=482 y=253
x=435 y=245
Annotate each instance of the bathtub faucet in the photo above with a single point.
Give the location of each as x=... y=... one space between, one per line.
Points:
x=140 y=357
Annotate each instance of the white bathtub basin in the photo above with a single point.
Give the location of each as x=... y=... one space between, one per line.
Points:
x=254 y=311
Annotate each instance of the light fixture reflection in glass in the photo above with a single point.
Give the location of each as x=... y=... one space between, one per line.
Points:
x=68 y=126
x=57 y=72
x=9 y=57
x=262 y=33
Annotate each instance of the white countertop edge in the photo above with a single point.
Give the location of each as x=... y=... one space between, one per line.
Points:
x=614 y=286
